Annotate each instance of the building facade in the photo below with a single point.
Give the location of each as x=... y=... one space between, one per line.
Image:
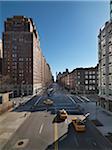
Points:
x=80 y=80
x=0 y=48
x=105 y=65
x=63 y=79
x=0 y=58
x=22 y=56
x=86 y=80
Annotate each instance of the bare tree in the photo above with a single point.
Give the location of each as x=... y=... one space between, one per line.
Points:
x=5 y=83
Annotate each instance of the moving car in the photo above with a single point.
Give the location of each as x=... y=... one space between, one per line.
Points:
x=79 y=125
x=48 y=102
x=79 y=122
x=63 y=114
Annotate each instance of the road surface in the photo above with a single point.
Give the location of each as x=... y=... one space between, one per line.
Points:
x=43 y=131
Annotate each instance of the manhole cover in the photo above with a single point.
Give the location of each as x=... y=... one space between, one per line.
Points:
x=21 y=143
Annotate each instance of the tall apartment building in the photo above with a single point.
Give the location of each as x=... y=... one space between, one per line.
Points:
x=105 y=64
x=22 y=56
x=0 y=57
x=0 y=48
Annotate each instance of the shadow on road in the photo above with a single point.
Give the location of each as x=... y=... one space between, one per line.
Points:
x=28 y=106
x=65 y=140
x=57 y=119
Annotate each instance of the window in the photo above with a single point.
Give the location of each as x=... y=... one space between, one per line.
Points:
x=93 y=88
x=14 y=67
x=110 y=49
x=90 y=87
x=90 y=76
x=86 y=72
x=15 y=78
x=86 y=81
x=15 y=47
x=93 y=81
x=86 y=87
x=20 y=59
x=78 y=73
x=29 y=59
x=14 y=55
x=78 y=77
x=90 y=81
x=93 y=76
x=86 y=76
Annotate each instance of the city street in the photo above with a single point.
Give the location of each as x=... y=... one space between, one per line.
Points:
x=43 y=131
x=56 y=75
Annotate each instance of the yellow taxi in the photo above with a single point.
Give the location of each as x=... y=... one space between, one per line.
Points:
x=48 y=102
x=63 y=114
x=78 y=125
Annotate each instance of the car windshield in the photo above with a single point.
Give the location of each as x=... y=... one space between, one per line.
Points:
x=63 y=112
x=80 y=123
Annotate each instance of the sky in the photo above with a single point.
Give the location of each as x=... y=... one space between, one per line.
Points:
x=68 y=30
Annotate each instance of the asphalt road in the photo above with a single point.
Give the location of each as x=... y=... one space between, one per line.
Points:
x=43 y=131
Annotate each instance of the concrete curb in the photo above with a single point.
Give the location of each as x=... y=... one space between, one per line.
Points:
x=99 y=131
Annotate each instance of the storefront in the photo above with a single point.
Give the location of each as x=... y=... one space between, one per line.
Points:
x=106 y=103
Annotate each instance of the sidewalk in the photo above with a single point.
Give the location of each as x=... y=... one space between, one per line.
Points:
x=100 y=114
x=20 y=100
x=9 y=123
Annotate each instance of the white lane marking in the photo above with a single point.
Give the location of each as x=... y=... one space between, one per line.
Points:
x=41 y=127
x=37 y=101
x=71 y=99
x=76 y=140
x=86 y=98
x=79 y=99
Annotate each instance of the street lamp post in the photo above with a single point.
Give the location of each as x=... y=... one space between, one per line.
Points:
x=22 y=93
x=96 y=110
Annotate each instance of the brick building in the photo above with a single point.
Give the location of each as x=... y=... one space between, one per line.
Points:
x=0 y=57
x=80 y=80
x=86 y=80
x=22 y=56
x=62 y=78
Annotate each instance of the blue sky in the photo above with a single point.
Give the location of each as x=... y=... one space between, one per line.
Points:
x=68 y=30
